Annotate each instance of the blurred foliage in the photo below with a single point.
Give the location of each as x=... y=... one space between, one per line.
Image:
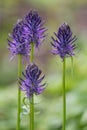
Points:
x=49 y=104
x=50 y=116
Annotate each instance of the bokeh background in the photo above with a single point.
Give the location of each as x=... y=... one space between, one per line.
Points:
x=48 y=106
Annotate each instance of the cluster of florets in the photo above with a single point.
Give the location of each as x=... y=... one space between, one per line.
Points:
x=34 y=28
x=18 y=43
x=63 y=44
x=32 y=82
x=26 y=31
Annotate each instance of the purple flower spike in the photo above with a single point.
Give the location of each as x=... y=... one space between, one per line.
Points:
x=64 y=45
x=34 y=28
x=32 y=82
x=18 y=43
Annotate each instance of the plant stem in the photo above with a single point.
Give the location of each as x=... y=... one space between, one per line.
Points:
x=72 y=66
x=19 y=92
x=32 y=53
x=64 y=97
x=32 y=113
x=32 y=98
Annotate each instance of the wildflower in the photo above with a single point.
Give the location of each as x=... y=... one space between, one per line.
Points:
x=32 y=82
x=34 y=28
x=63 y=44
x=18 y=43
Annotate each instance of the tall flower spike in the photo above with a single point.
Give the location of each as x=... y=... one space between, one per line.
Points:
x=32 y=82
x=64 y=45
x=34 y=28
x=18 y=43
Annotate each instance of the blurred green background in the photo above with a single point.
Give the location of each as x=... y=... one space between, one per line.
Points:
x=49 y=104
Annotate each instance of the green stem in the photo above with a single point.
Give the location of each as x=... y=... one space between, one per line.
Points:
x=32 y=98
x=19 y=92
x=32 y=52
x=64 y=97
x=32 y=113
x=72 y=65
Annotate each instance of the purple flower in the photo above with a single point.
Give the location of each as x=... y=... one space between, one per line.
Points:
x=35 y=31
x=32 y=82
x=18 y=43
x=63 y=44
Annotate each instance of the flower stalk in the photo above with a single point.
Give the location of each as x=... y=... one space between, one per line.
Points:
x=32 y=53
x=32 y=98
x=19 y=92
x=31 y=113
x=64 y=96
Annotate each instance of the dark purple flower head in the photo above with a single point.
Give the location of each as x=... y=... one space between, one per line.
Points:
x=32 y=82
x=34 y=28
x=64 y=45
x=18 y=43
